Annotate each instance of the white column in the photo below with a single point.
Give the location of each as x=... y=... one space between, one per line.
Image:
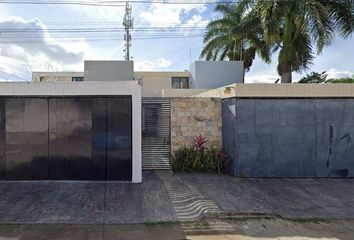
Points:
x=136 y=124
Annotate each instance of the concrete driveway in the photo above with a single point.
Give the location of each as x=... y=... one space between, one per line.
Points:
x=167 y=197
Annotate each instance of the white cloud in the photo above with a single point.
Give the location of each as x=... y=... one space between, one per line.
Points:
x=336 y=73
x=261 y=78
x=148 y=65
x=19 y=45
x=13 y=71
x=145 y=65
x=270 y=78
x=195 y=22
x=35 y=50
x=163 y=63
x=169 y=14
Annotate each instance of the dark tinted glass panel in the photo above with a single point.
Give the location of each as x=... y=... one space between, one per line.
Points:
x=70 y=142
x=2 y=139
x=175 y=82
x=99 y=138
x=119 y=138
x=26 y=138
x=180 y=82
x=184 y=82
x=77 y=79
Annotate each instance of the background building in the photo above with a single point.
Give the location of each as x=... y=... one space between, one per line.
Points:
x=202 y=75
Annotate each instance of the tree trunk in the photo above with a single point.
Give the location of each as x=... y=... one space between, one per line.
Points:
x=244 y=74
x=286 y=77
x=285 y=63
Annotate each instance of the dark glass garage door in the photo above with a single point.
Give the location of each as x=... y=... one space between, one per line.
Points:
x=119 y=139
x=26 y=138
x=69 y=138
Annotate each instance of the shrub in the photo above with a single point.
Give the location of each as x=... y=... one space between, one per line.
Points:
x=315 y=77
x=199 y=158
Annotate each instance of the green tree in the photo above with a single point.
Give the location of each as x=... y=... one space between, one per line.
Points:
x=235 y=36
x=314 y=77
x=341 y=80
x=298 y=27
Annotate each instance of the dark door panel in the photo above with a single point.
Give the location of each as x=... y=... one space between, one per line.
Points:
x=2 y=139
x=70 y=143
x=99 y=138
x=26 y=134
x=119 y=139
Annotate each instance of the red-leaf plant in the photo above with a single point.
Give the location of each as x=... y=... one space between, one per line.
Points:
x=199 y=142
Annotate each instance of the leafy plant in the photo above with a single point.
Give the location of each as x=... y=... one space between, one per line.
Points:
x=315 y=77
x=235 y=35
x=301 y=29
x=199 y=142
x=199 y=158
x=296 y=30
x=341 y=80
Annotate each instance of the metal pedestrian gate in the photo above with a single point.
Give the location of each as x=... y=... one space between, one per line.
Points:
x=156 y=133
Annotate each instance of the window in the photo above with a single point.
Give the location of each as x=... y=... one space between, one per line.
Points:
x=77 y=79
x=180 y=82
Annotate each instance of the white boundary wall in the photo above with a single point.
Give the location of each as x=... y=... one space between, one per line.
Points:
x=91 y=88
x=259 y=90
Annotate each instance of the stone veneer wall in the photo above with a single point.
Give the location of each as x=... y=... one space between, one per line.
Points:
x=193 y=116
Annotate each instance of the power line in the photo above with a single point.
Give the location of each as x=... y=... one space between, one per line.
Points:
x=159 y=24
x=32 y=41
x=77 y=35
x=97 y=34
x=61 y=3
x=13 y=75
x=175 y=2
x=88 y=33
x=17 y=30
x=102 y=22
x=118 y=3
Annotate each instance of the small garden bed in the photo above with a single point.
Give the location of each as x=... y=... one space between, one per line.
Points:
x=199 y=158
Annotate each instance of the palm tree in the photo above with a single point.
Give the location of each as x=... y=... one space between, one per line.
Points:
x=235 y=36
x=297 y=27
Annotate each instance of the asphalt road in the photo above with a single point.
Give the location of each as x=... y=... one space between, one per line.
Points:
x=201 y=230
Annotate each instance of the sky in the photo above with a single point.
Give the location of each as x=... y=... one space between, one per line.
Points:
x=48 y=46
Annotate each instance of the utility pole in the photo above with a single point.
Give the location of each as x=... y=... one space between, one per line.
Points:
x=128 y=24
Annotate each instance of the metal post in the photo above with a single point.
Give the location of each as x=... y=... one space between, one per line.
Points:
x=128 y=24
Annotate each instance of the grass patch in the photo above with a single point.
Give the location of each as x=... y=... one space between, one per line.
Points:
x=308 y=220
x=161 y=223
x=202 y=224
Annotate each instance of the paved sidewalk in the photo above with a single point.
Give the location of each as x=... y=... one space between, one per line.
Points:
x=187 y=202
x=167 y=197
x=85 y=202
x=285 y=197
